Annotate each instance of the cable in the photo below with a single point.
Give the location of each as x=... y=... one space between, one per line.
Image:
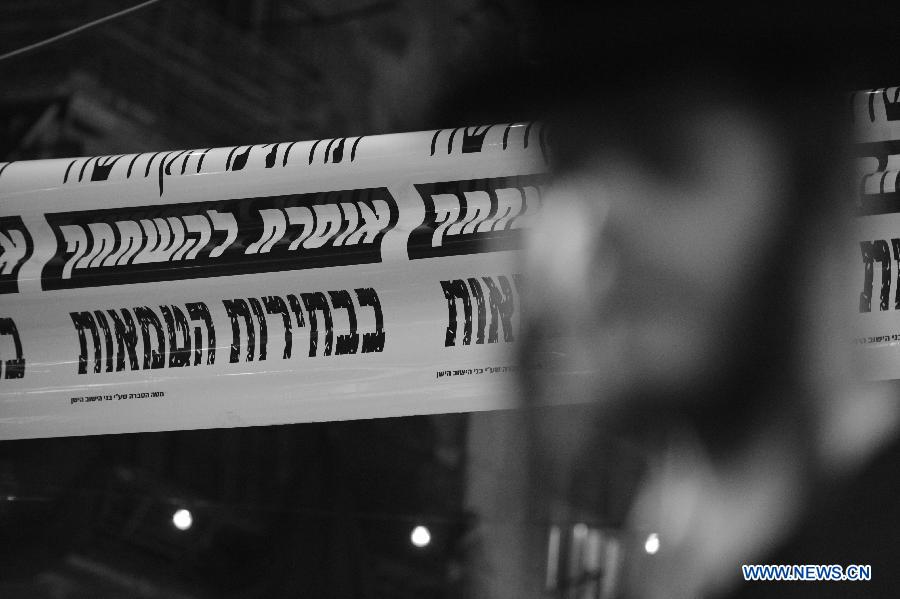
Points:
x=76 y=30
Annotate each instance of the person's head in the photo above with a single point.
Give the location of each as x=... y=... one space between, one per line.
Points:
x=686 y=270
x=697 y=202
x=670 y=258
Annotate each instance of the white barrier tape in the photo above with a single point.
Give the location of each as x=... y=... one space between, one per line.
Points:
x=265 y=284
x=335 y=279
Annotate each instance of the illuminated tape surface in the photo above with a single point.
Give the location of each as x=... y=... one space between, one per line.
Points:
x=877 y=256
x=275 y=283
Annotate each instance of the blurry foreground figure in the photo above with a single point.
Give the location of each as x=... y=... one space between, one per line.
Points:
x=689 y=282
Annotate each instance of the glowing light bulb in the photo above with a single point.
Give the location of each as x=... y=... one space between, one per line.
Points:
x=420 y=536
x=651 y=545
x=182 y=519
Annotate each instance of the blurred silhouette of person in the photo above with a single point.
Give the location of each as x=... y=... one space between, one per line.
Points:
x=689 y=286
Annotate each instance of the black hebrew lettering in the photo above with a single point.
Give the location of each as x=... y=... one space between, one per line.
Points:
x=126 y=339
x=236 y=308
x=240 y=160
x=373 y=341
x=16 y=247
x=473 y=142
x=480 y=215
x=891 y=104
x=154 y=356
x=345 y=343
x=272 y=156
x=13 y=368
x=879 y=251
x=107 y=336
x=263 y=326
x=454 y=290
x=170 y=336
x=482 y=312
x=446 y=141
x=276 y=305
x=495 y=301
x=179 y=336
x=165 y=167
x=875 y=251
x=199 y=311
x=297 y=309
x=312 y=150
x=169 y=343
x=320 y=315
x=317 y=302
x=502 y=305
x=287 y=153
x=334 y=150
x=102 y=169
x=895 y=244
x=353 y=148
x=865 y=297
x=206 y=239
x=878 y=186
x=337 y=154
x=85 y=321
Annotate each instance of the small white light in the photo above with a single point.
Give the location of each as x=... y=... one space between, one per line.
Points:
x=182 y=519
x=420 y=536
x=651 y=545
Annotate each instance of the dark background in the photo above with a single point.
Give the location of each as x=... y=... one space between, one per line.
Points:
x=325 y=510
x=188 y=74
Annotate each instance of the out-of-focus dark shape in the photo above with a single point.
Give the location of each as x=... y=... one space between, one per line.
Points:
x=689 y=282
